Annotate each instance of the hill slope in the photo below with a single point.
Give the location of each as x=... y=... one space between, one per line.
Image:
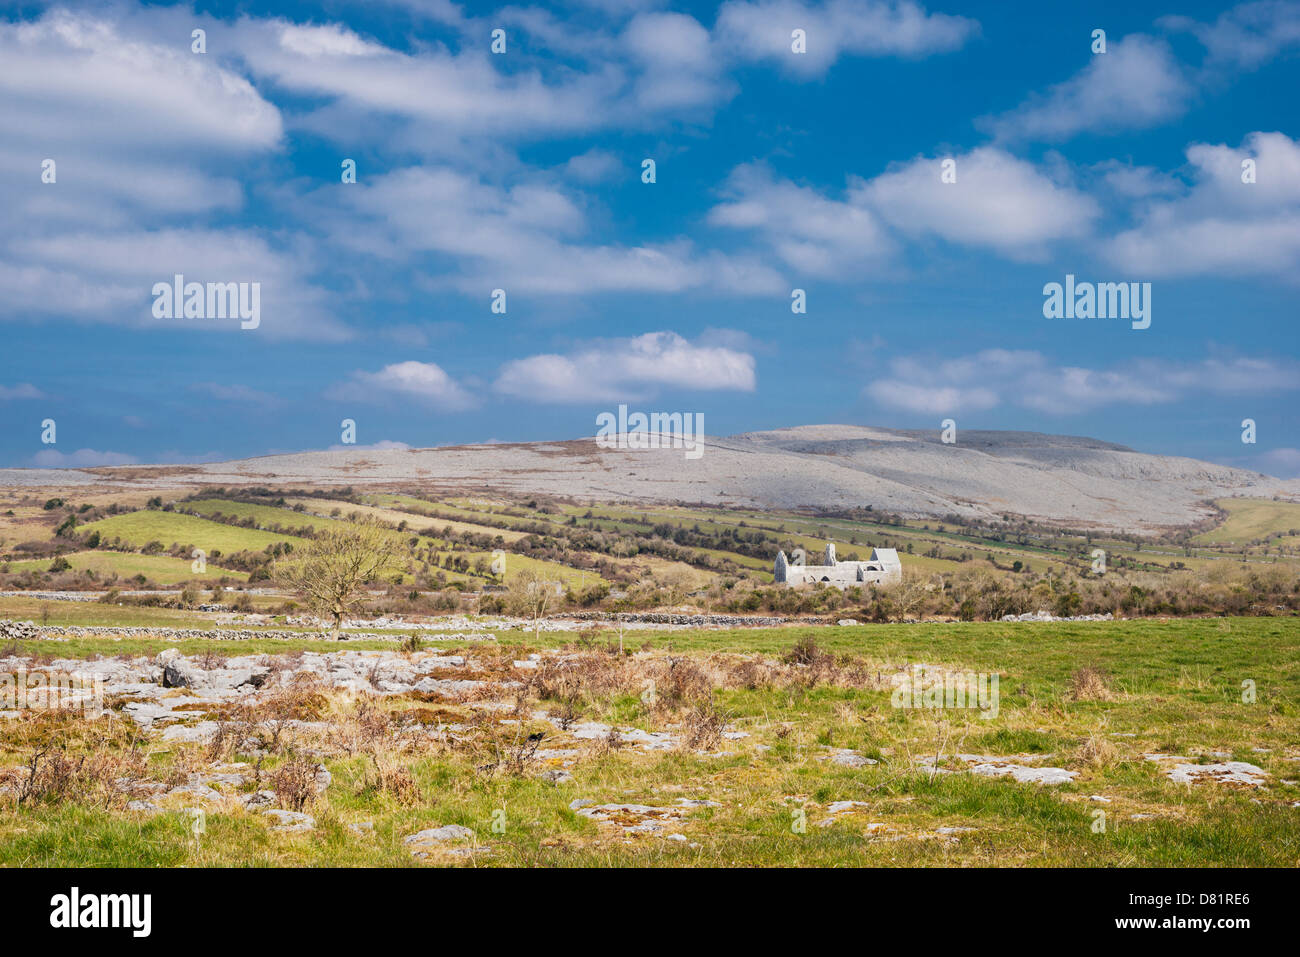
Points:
x=1064 y=479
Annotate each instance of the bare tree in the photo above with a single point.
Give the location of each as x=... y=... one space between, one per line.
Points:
x=911 y=592
x=531 y=596
x=330 y=570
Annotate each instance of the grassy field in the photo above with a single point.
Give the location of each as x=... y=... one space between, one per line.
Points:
x=141 y=528
x=157 y=568
x=21 y=608
x=1250 y=519
x=404 y=508
x=635 y=545
x=264 y=515
x=1093 y=698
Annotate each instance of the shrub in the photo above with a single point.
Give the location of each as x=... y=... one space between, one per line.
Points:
x=702 y=727
x=294 y=783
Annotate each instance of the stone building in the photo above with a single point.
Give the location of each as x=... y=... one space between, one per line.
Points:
x=882 y=568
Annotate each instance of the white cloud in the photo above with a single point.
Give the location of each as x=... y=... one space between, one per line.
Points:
x=1137 y=182
x=330 y=40
x=761 y=29
x=109 y=277
x=1136 y=84
x=1222 y=225
x=653 y=66
x=129 y=121
x=627 y=369
x=100 y=84
x=1246 y=36
x=998 y=201
x=813 y=234
x=523 y=238
x=82 y=458
x=594 y=166
x=430 y=100
x=436 y=94
x=680 y=69
x=424 y=381
x=998 y=377
x=144 y=134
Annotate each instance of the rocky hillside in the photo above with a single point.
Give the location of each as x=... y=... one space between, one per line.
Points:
x=1074 y=481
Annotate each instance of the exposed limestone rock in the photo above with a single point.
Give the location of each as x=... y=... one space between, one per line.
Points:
x=1228 y=772
x=434 y=838
x=293 y=821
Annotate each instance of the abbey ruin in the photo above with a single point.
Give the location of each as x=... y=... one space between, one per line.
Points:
x=882 y=568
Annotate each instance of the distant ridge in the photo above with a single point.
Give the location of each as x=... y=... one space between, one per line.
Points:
x=1067 y=480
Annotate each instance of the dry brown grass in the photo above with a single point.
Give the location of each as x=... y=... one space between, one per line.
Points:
x=1090 y=684
x=671 y=684
x=361 y=730
x=393 y=778
x=572 y=678
x=1097 y=751
x=52 y=774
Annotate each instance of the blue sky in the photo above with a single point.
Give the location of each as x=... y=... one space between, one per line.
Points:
x=522 y=171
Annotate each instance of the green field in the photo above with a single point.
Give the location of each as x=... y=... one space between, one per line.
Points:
x=96 y=613
x=141 y=528
x=1160 y=688
x=161 y=569
x=709 y=539
x=1250 y=519
x=396 y=508
x=262 y=515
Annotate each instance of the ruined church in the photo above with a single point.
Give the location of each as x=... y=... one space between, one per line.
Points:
x=882 y=568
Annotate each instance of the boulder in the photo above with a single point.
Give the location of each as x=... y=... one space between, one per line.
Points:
x=200 y=733
x=176 y=675
x=439 y=835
